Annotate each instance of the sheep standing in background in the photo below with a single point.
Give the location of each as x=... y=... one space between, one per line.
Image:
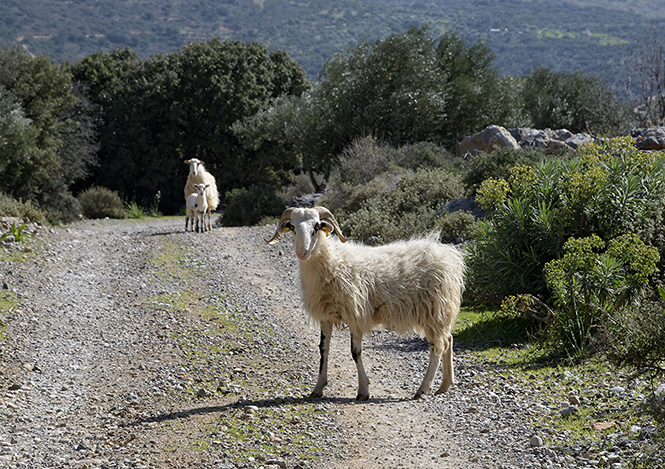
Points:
x=405 y=286
x=199 y=175
x=197 y=206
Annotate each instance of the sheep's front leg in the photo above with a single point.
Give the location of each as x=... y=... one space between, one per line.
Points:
x=324 y=349
x=448 y=370
x=356 y=353
x=434 y=362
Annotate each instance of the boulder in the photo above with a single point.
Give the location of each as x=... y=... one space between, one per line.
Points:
x=554 y=141
x=486 y=141
x=522 y=133
x=465 y=204
x=576 y=140
x=650 y=138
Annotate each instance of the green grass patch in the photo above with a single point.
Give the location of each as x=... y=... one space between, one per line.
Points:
x=485 y=329
x=601 y=38
x=169 y=260
x=275 y=429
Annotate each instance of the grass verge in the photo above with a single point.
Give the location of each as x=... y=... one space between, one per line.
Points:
x=583 y=409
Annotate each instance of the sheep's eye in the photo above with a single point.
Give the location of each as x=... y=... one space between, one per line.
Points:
x=287 y=227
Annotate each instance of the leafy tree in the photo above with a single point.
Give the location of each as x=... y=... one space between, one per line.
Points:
x=573 y=101
x=478 y=96
x=157 y=113
x=405 y=88
x=64 y=139
x=17 y=137
x=138 y=129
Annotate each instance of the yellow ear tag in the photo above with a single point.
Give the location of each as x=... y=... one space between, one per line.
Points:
x=326 y=229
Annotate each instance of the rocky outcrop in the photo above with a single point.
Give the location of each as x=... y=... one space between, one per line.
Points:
x=650 y=138
x=550 y=141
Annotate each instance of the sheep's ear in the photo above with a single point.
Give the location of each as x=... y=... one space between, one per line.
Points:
x=187 y=161
x=328 y=219
x=327 y=229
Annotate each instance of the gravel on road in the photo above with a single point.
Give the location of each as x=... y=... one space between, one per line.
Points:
x=134 y=344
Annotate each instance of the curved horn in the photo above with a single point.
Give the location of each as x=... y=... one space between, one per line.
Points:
x=283 y=220
x=325 y=214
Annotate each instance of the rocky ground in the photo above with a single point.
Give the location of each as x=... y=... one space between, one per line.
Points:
x=133 y=344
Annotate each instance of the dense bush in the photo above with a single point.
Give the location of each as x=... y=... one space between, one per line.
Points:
x=11 y=207
x=101 y=202
x=496 y=164
x=607 y=189
x=387 y=193
x=593 y=282
x=636 y=338
x=573 y=101
x=457 y=225
x=245 y=207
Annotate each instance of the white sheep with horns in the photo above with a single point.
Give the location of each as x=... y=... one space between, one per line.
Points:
x=404 y=286
x=199 y=175
x=197 y=206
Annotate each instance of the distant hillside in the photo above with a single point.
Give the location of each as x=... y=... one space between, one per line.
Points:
x=587 y=35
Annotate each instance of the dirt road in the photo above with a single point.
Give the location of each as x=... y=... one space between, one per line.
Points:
x=132 y=344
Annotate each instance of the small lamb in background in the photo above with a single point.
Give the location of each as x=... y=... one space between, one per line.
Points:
x=197 y=206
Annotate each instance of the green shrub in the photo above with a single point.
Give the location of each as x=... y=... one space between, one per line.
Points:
x=134 y=210
x=636 y=337
x=456 y=225
x=62 y=207
x=424 y=155
x=405 y=210
x=247 y=206
x=496 y=164
x=11 y=207
x=100 y=202
x=593 y=282
x=387 y=193
x=607 y=189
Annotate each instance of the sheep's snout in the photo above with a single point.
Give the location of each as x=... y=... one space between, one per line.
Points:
x=303 y=249
x=304 y=244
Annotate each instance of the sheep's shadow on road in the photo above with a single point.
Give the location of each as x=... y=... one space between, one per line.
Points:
x=168 y=233
x=260 y=403
x=391 y=342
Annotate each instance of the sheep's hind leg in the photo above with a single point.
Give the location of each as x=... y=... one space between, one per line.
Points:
x=434 y=362
x=324 y=349
x=356 y=353
x=448 y=371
